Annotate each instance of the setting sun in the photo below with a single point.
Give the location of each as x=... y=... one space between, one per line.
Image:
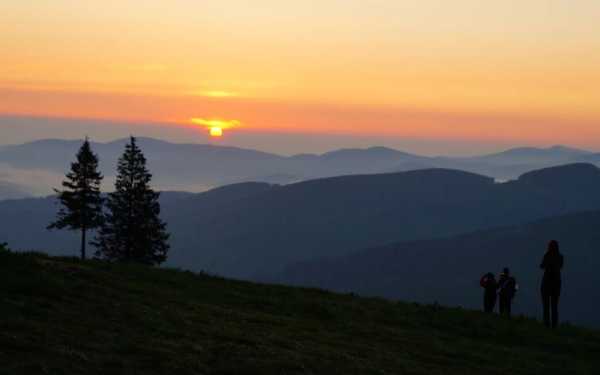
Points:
x=215 y=126
x=216 y=131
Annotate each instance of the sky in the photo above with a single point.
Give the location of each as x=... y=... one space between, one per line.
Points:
x=433 y=76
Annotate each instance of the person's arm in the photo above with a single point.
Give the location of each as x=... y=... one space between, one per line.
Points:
x=561 y=262
x=543 y=264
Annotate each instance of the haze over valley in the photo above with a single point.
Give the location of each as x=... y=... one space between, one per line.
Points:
x=38 y=167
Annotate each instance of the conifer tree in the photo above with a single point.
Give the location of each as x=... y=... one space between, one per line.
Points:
x=81 y=200
x=133 y=230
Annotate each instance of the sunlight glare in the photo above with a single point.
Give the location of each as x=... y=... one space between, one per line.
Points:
x=215 y=126
x=216 y=131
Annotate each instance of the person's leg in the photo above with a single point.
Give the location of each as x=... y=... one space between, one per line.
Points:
x=554 y=302
x=546 y=303
x=488 y=303
x=508 y=306
x=504 y=305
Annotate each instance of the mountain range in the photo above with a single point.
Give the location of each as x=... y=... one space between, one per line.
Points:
x=253 y=230
x=200 y=167
x=314 y=232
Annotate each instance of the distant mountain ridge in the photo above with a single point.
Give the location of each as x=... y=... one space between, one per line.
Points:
x=199 y=167
x=532 y=154
x=590 y=158
x=254 y=229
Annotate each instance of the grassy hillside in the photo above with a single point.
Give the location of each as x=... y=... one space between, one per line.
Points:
x=63 y=316
x=460 y=260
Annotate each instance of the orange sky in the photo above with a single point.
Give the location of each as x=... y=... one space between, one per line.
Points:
x=527 y=71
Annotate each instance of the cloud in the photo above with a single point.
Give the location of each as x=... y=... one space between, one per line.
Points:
x=218 y=94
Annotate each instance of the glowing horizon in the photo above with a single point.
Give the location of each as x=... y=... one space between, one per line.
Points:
x=527 y=71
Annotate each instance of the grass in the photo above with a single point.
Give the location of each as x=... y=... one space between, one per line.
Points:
x=65 y=316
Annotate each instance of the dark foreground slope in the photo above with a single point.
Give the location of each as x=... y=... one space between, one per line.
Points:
x=62 y=316
x=448 y=270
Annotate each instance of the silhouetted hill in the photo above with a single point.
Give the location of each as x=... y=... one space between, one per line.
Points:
x=448 y=269
x=325 y=217
x=252 y=230
x=55 y=154
x=510 y=164
x=559 y=176
x=213 y=202
x=192 y=167
x=369 y=160
x=71 y=317
x=590 y=158
x=198 y=167
x=529 y=155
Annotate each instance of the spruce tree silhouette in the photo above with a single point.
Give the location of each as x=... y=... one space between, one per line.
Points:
x=133 y=230
x=81 y=199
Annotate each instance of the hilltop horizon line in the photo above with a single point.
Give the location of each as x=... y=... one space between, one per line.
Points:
x=372 y=148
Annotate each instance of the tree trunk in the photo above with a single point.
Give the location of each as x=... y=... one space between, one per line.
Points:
x=83 y=242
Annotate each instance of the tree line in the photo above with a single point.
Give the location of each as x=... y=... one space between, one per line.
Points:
x=127 y=221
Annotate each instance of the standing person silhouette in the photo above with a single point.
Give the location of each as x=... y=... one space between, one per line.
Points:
x=490 y=285
x=507 y=286
x=552 y=264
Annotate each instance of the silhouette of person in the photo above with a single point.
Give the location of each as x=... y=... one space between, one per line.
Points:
x=507 y=286
x=490 y=285
x=551 y=282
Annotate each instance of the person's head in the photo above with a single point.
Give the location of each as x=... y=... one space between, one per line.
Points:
x=489 y=275
x=553 y=247
x=506 y=271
